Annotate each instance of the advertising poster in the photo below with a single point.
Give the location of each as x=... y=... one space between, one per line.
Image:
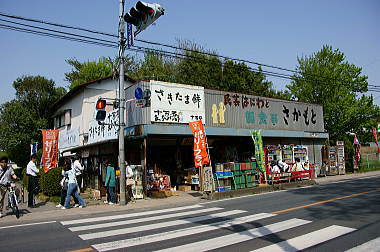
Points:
x=50 y=149
x=200 y=152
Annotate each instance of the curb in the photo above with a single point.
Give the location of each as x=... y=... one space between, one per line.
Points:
x=258 y=189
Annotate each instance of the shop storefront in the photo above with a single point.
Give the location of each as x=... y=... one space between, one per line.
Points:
x=160 y=139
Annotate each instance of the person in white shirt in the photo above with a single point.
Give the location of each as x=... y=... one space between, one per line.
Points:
x=6 y=176
x=283 y=166
x=130 y=182
x=31 y=172
x=78 y=168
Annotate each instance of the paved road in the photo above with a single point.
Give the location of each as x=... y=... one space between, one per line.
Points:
x=330 y=217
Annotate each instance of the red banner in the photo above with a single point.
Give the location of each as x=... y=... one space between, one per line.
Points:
x=375 y=136
x=200 y=152
x=50 y=149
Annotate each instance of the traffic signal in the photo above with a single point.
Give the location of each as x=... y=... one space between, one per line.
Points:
x=100 y=110
x=143 y=15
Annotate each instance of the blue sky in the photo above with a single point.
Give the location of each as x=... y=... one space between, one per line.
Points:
x=269 y=32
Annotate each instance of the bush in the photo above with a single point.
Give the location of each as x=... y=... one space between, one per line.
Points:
x=49 y=182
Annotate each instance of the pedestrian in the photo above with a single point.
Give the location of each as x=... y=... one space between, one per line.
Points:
x=297 y=166
x=72 y=189
x=78 y=171
x=283 y=166
x=110 y=184
x=64 y=184
x=31 y=172
x=130 y=182
x=6 y=176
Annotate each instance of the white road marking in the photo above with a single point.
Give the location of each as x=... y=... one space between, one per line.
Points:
x=308 y=240
x=178 y=233
x=30 y=224
x=234 y=238
x=156 y=225
x=372 y=245
x=121 y=216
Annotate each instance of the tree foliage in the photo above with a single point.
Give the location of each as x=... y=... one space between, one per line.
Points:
x=198 y=66
x=328 y=79
x=88 y=71
x=21 y=118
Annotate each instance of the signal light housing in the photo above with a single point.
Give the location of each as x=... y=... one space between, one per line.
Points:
x=143 y=15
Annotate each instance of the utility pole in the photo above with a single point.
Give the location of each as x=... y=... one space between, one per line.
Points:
x=123 y=200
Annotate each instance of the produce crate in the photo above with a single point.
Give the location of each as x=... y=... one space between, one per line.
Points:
x=238 y=179
x=228 y=166
x=237 y=173
x=237 y=167
x=250 y=185
x=227 y=188
x=219 y=168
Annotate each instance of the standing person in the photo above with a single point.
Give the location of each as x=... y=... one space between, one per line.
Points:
x=31 y=172
x=72 y=189
x=78 y=171
x=6 y=174
x=297 y=166
x=130 y=182
x=64 y=183
x=110 y=184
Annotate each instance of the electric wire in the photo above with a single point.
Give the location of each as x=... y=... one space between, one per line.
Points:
x=141 y=49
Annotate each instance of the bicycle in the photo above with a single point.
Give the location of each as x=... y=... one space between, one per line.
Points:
x=12 y=199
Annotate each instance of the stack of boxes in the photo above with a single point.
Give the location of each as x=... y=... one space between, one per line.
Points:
x=223 y=177
x=244 y=174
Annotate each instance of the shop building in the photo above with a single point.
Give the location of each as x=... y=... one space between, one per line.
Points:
x=159 y=139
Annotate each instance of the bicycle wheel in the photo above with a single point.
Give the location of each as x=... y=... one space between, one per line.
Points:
x=15 y=207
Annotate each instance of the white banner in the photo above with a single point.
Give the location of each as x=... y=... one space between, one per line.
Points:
x=109 y=131
x=176 y=103
x=68 y=138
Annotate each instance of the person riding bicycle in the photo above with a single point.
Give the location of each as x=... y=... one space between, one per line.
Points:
x=6 y=175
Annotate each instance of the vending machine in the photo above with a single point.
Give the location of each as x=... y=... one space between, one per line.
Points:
x=333 y=162
x=341 y=163
x=287 y=154
x=273 y=153
x=300 y=151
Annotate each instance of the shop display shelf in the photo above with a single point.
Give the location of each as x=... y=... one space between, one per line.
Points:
x=237 y=167
x=250 y=185
x=219 y=168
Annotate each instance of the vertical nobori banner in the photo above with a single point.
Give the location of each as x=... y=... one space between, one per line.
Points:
x=200 y=144
x=259 y=151
x=49 y=149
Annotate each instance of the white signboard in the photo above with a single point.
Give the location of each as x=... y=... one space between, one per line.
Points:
x=176 y=103
x=108 y=131
x=68 y=138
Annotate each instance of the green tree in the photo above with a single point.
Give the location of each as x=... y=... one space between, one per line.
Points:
x=326 y=78
x=21 y=118
x=88 y=71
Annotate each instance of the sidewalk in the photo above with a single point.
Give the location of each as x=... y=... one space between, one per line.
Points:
x=47 y=210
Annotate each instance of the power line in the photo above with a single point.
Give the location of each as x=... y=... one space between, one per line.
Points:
x=61 y=32
x=46 y=34
x=142 y=49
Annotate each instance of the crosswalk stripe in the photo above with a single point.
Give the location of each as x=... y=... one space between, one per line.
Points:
x=152 y=218
x=156 y=226
x=372 y=245
x=178 y=233
x=234 y=238
x=307 y=240
x=121 y=216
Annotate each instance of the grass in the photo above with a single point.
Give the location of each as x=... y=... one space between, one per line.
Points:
x=369 y=165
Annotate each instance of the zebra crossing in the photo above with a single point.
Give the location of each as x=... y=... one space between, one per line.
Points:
x=196 y=228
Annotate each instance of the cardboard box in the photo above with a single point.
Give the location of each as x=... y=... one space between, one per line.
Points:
x=184 y=188
x=96 y=195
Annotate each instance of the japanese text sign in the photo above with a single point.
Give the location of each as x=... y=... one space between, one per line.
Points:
x=50 y=149
x=200 y=152
x=176 y=103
